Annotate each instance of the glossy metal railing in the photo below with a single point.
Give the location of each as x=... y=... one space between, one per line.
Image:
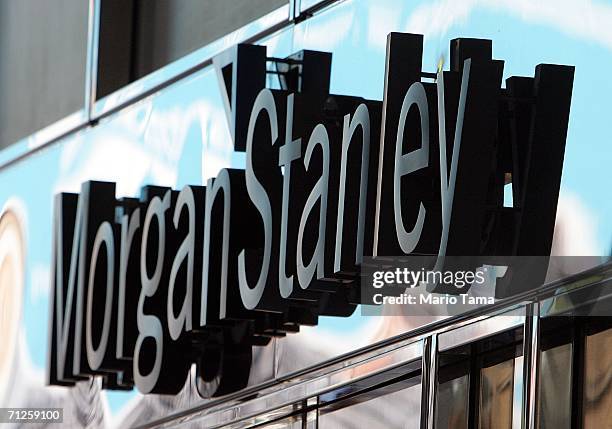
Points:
x=93 y=110
x=419 y=349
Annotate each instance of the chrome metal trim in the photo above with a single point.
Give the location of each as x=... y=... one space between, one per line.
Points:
x=190 y=63
x=531 y=354
x=480 y=329
x=93 y=46
x=591 y=276
x=311 y=5
x=518 y=393
x=227 y=405
x=430 y=378
x=311 y=420
x=574 y=298
x=42 y=138
x=280 y=400
x=294 y=9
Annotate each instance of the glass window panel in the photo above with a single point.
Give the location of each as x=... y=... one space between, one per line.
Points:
x=169 y=29
x=480 y=384
x=43 y=56
x=138 y=37
x=452 y=404
x=115 y=48
x=452 y=395
x=555 y=400
x=400 y=409
x=496 y=388
x=597 y=401
x=294 y=422
x=517 y=394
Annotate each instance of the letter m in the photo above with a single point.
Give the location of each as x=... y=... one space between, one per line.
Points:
x=65 y=365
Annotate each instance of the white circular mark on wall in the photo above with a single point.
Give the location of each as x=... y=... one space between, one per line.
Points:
x=12 y=280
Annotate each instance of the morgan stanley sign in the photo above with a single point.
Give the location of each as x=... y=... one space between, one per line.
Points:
x=143 y=288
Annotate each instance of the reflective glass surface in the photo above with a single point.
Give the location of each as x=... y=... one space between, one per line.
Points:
x=496 y=388
x=555 y=400
x=43 y=57
x=167 y=30
x=393 y=410
x=452 y=396
x=597 y=401
x=288 y=423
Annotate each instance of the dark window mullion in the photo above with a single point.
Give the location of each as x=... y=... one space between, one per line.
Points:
x=578 y=349
x=474 y=392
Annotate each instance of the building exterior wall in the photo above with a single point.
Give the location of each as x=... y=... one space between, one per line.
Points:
x=169 y=129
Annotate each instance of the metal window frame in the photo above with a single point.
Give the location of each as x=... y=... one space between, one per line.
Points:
x=298 y=392
x=93 y=38
x=93 y=109
x=474 y=330
x=187 y=65
x=482 y=328
x=74 y=121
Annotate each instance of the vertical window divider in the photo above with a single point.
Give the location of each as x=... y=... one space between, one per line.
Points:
x=531 y=360
x=91 y=70
x=474 y=386
x=295 y=9
x=578 y=359
x=429 y=378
